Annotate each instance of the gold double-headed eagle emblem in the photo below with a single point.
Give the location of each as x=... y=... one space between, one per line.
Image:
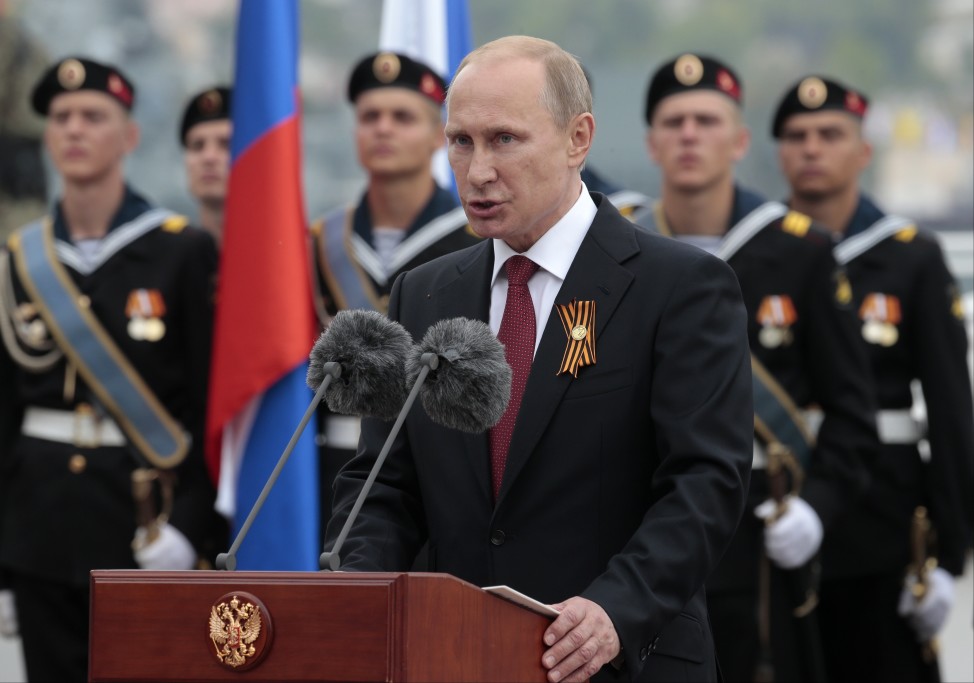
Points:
x=234 y=628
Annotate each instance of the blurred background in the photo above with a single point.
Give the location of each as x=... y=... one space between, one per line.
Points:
x=913 y=58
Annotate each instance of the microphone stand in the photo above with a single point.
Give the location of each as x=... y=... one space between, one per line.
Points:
x=228 y=560
x=331 y=561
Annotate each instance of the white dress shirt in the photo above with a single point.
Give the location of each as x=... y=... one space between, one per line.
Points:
x=553 y=253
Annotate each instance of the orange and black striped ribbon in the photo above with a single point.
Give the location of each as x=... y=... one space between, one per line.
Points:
x=577 y=317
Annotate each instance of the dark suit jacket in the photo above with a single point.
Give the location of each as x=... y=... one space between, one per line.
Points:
x=623 y=486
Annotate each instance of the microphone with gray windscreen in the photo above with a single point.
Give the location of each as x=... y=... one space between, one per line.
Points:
x=371 y=350
x=472 y=386
x=460 y=369
x=357 y=365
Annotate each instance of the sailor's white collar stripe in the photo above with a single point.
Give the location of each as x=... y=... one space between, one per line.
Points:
x=116 y=240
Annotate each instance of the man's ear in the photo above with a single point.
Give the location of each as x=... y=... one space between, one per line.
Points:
x=742 y=142
x=581 y=133
x=133 y=135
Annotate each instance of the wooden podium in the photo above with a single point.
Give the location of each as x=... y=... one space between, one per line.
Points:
x=314 y=626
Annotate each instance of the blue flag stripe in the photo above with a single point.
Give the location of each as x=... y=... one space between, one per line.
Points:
x=266 y=70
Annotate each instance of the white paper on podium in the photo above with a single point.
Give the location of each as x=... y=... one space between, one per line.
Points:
x=523 y=600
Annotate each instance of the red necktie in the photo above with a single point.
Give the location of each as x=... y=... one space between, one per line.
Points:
x=517 y=335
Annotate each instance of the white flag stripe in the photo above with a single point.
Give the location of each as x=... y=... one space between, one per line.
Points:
x=417 y=28
x=235 y=436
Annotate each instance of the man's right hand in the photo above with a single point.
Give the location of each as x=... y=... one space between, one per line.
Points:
x=8 y=614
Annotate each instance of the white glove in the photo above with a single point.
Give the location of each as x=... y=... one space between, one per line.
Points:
x=792 y=539
x=929 y=615
x=170 y=550
x=8 y=614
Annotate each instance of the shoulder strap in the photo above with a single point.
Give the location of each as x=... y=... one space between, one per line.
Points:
x=87 y=344
x=776 y=417
x=346 y=265
x=859 y=244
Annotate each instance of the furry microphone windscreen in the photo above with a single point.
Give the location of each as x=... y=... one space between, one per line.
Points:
x=372 y=351
x=472 y=386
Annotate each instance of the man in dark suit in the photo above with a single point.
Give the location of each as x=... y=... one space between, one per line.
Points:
x=609 y=489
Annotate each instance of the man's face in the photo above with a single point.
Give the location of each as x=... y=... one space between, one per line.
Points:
x=822 y=153
x=397 y=131
x=207 y=159
x=696 y=137
x=517 y=172
x=88 y=134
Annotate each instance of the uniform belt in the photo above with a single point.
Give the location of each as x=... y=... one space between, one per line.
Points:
x=893 y=427
x=898 y=427
x=82 y=427
x=342 y=431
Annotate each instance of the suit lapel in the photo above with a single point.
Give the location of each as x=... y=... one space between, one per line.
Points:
x=595 y=275
x=469 y=297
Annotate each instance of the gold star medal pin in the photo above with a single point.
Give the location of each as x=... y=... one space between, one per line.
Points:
x=578 y=321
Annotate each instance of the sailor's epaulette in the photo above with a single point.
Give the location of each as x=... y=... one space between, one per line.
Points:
x=907 y=234
x=175 y=224
x=796 y=223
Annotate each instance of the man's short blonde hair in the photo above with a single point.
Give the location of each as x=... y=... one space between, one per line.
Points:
x=565 y=93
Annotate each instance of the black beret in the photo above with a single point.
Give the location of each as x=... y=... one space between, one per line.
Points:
x=212 y=104
x=817 y=93
x=79 y=73
x=691 y=72
x=394 y=70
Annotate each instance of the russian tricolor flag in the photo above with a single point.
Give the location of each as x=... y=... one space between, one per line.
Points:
x=265 y=324
x=436 y=32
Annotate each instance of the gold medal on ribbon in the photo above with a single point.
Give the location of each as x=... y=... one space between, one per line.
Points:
x=136 y=328
x=888 y=335
x=145 y=308
x=776 y=314
x=771 y=337
x=880 y=314
x=578 y=321
x=154 y=329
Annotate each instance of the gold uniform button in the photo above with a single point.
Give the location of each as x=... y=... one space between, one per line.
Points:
x=77 y=463
x=84 y=301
